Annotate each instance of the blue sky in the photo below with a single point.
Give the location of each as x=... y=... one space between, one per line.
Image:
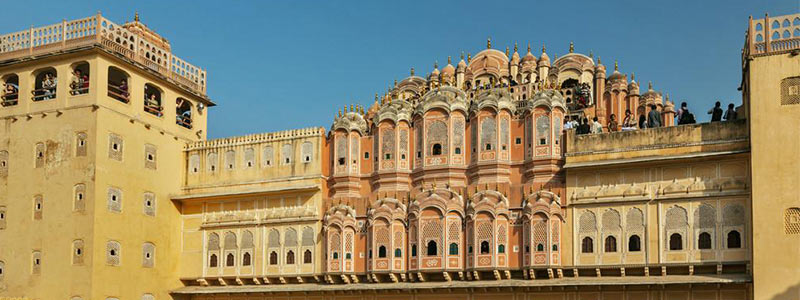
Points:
x=277 y=65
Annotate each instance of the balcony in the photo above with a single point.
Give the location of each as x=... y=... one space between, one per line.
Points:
x=657 y=143
x=97 y=31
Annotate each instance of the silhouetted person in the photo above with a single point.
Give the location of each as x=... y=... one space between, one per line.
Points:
x=686 y=118
x=654 y=117
x=642 y=122
x=716 y=112
x=730 y=114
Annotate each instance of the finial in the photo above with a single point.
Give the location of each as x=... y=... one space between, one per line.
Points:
x=633 y=76
x=376 y=97
x=598 y=60
x=649 y=85
x=543 y=48
x=345 y=108
x=489 y=43
x=616 y=66
x=529 y=47
x=395 y=82
x=412 y=71
x=351 y=107
x=136 y=16
x=435 y=64
x=462 y=55
x=506 y=50
x=591 y=54
x=515 y=47
x=340 y=112
x=448 y=60
x=571 y=47
x=469 y=57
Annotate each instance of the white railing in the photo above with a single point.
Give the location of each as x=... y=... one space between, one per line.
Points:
x=97 y=30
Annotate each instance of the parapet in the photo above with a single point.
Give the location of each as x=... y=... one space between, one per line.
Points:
x=139 y=47
x=772 y=35
x=654 y=143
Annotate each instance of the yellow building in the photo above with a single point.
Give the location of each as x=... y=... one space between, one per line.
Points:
x=465 y=184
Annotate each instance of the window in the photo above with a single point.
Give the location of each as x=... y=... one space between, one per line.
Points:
x=77 y=252
x=555 y=247
x=611 y=244
x=37 y=262
x=149 y=204
x=453 y=249
x=273 y=257
x=230 y=260
x=249 y=157
x=488 y=147
x=118 y=85
x=212 y=261
x=115 y=147
x=398 y=252
x=148 y=255
x=457 y=150
x=113 y=253
x=634 y=243
x=366 y=156
x=150 y=156
x=39 y=155
x=38 y=205
x=114 y=200
x=704 y=241
x=527 y=249
x=44 y=87
x=501 y=249
x=183 y=113
x=152 y=100
x=335 y=255
x=230 y=160
x=2 y=217
x=79 y=79
x=349 y=255
x=518 y=141
x=80 y=144
x=540 y=248
x=290 y=257
x=382 y=252
x=306 y=151
x=307 y=257
x=387 y=156
x=485 y=247
x=10 y=94
x=675 y=242
x=587 y=245
x=414 y=250
x=437 y=149
x=431 y=249
x=286 y=153
x=2 y=270
x=734 y=240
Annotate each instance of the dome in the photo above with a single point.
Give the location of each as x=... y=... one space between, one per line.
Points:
x=616 y=75
x=633 y=85
x=529 y=58
x=544 y=60
x=489 y=61
x=515 y=56
x=448 y=70
x=462 y=64
x=651 y=92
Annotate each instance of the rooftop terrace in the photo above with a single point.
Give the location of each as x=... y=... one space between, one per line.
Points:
x=773 y=35
x=695 y=140
x=142 y=46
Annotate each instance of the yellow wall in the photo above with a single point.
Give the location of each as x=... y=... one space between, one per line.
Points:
x=55 y=124
x=775 y=146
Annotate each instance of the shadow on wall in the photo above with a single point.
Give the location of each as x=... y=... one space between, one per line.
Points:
x=792 y=293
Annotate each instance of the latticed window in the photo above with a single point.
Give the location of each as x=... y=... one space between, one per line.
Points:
x=431 y=248
x=485 y=247
x=453 y=249
x=790 y=91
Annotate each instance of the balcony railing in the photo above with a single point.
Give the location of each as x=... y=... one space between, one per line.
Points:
x=10 y=99
x=154 y=109
x=99 y=31
x=118 y=92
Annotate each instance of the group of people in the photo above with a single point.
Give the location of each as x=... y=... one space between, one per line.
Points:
x=652 y=120
x=10 y=92
x=49 y=84
x=78 y=83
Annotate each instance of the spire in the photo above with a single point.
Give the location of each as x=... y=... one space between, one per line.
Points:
x=506 y=50
x=515 y=46
x=633 y=76
x=469 y=57
x=462 y=55
x=616 y=66
x=412 y=71
x=649 y=85
x=529 y=47
x=448 y=60
x=435 y=64
x=598 y=60
x=395 y=82
x=136 y=16
x=351 y=107
x=489 y=43
x=543 y=48
x=591 y=54
x=571 y=47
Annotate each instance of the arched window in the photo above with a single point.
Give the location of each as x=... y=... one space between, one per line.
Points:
x=634 y=243
x=734 y=240
x=398 y=252
x=485 y=247
x=587 y=245
x=307 y=257
x=382 y=252
x=501 y=249
x=555 y=247
x=118 y=85
x=786 y=23
x=759 y=27
x=414 y=250
x=675 y=242
x=230 y=261
x=44 y=85
x=453 y=249
x=152 y=100
x=246 y=259
x=349 y=255
x=273 y=257
x=212 y=261
x=704 y=241
x=437 y=149
x=10 y=94
x=183 y=113
x=527 y=249
x=540 y=248
x=431 y=251
x=335 y=255
x=611 y=244
x=290 y=257
x=79 y=79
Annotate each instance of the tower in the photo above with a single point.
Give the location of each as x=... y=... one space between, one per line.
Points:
x=92 y=145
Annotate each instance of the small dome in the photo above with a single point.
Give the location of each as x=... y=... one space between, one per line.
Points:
x=448 y=70
x=651 y=92
x=616 y=75
x=462 y=64
x=515 y=56
x=633 y=85
x=544 y=60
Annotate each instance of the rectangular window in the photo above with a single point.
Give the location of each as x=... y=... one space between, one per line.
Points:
x=115 y=147
x=518 y=141
x=150 y=156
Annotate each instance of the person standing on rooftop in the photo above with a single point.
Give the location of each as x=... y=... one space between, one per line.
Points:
x=730 y=114
x=716 y=112
x=654 y=117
